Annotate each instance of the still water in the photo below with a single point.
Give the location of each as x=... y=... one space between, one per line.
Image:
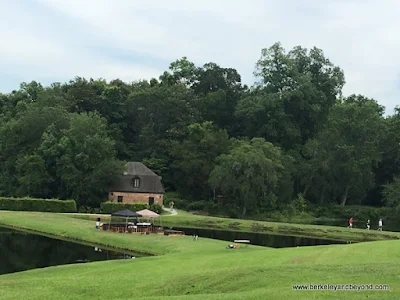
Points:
x=22 y=251
x=261 y=239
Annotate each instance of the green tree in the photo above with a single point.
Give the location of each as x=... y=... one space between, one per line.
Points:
x=391 y=192
x=389 y=166
x=33 y=177
x=84 y=95
x=194 y=158
x=290 y=103
x=183 y=71
x=348 y=148
x=220 y=90
x=87 y=164
x=249 y=173
x=159 y=115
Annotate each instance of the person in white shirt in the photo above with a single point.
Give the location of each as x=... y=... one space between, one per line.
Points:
x=380 y=224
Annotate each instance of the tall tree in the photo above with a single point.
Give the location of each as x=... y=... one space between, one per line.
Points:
x=348 y=148
x=87 y=164
x=389 y=167
x=249 y=173
x=160 y=114
x=33 y=177
x=194 y=158
x=220 y=90
x=291 y=101
x=391 y=192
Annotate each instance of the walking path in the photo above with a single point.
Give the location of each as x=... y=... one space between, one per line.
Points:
x=172 y=211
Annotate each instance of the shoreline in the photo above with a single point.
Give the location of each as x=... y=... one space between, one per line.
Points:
x=77 y=240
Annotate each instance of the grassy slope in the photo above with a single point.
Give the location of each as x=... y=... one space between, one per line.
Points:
x=189 y=269
x=185 y=219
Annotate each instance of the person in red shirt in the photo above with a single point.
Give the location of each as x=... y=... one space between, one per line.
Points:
x=350 y=223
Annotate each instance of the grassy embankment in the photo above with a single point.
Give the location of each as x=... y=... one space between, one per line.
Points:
x=188 y=220
x=186 y=269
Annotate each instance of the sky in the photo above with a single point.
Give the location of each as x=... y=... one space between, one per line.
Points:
x=57 y=40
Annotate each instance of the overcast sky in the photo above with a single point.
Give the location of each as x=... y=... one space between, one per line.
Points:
x=56 y=40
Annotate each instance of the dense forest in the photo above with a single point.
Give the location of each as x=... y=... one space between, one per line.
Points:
x=212 y=139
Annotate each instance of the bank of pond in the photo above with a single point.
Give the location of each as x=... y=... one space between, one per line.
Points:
x=24 y=251
x=259 y=239
x=21 y=251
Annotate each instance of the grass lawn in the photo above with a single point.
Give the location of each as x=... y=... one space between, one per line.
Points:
x=188 y=220
x=186 y=269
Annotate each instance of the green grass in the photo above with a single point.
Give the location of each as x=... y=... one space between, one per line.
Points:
x=188 y=220
x=185 y=269
x=66 y=227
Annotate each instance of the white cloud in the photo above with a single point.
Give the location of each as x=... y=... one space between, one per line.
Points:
x=359 y=36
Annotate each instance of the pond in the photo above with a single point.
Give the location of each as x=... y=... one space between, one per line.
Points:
x=22 y=251
x=260 y=239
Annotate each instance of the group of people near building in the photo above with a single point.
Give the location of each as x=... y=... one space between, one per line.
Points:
x=380 y=224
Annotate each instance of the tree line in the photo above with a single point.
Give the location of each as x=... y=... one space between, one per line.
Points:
x=211 y=137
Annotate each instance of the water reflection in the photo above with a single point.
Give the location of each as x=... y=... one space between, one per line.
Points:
x=267 y=240
x=22 y=251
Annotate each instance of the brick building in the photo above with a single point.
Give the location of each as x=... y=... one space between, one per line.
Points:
x=137 y=184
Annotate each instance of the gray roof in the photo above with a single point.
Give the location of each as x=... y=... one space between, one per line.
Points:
x=137 y=168
x=150 y=182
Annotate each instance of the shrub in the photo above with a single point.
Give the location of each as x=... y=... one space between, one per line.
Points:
x=88 y=210
x=156 y=208
x=174 y=197
x=300 y=204
x=34 y=204
x=358 y=212
x=112 y=207
x=198 y=205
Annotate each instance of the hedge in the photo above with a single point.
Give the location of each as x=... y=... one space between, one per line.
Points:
x=34 y=204
x=112 y=207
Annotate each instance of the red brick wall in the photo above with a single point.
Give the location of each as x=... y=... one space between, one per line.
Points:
x=136 y=197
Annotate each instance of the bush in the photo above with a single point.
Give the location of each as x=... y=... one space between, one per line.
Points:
x=88 y=210
x=156 y=208
x=300 y=204
x=198 y=205
x=358 y=212
x=112 y=207
x=34 y=204
x=178 y=202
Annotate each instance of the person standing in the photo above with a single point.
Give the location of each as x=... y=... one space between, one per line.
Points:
x=380 y=225
x=368 y=224
x=350 y=223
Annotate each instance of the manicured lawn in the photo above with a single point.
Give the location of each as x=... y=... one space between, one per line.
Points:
x=188 y=220
x=205 y=269
x=65 y=226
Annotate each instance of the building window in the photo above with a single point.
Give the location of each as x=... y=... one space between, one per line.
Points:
x=120 y=198
x=151 y=200
x=136 y=182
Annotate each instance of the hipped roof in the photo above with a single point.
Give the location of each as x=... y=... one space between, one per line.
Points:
x=149 y=181
x=126 y=213
x=148 y=213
